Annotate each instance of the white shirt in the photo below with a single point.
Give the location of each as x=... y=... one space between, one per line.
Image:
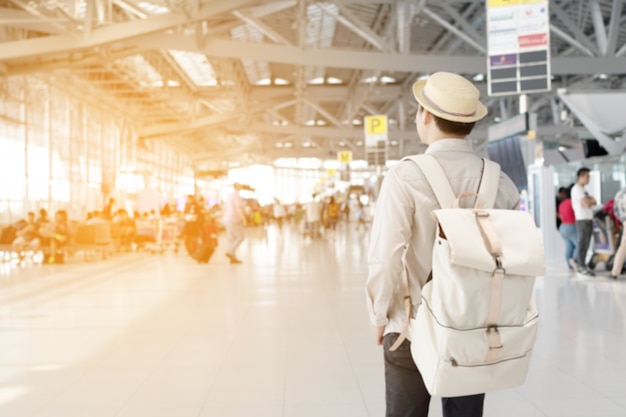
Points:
x=313 y=212
x=404 y=229
x=580 y=212
x=279 y=210
x=232 y=205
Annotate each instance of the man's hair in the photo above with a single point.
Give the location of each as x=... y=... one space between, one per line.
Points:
x=450 y=127
x=454 y=128
x=582 y=171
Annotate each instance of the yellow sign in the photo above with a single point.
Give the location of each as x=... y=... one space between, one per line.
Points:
x=499 y=3
x=376 y=125
x=344 y=157
x=331 y=171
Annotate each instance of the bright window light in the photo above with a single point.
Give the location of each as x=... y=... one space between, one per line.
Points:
x=317 y=81
x=387 y=80
x=333 y=80
x=196 y=66
x=153 y=8
x=370 y=80
x=281 y=81
x=264 y=81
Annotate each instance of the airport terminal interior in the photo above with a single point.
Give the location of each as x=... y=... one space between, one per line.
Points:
x=126 y=124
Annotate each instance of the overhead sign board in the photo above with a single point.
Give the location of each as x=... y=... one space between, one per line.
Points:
x=344 y=157
x=375 y=130
x=518 y=43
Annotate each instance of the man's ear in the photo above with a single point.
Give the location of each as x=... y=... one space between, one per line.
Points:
x=428 y=117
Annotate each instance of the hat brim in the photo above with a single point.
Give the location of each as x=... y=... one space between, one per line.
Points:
x=418 y=93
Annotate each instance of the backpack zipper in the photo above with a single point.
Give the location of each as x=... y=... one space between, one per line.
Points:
x=533 y=318
x=455 y=364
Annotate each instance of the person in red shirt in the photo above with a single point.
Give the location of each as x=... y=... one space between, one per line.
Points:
x=567 y=229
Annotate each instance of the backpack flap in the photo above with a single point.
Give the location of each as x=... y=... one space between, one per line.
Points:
x=522 y=248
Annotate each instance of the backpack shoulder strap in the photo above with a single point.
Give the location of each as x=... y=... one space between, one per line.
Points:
x=488 y=189
x=436 y=178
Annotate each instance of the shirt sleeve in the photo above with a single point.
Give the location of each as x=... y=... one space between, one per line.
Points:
x=391 y=231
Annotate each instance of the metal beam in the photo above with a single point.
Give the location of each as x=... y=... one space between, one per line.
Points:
x=404 y=18
x=166 y=129
x=572 y=27
x=318 y=132
x=347 y=18
x=37 y=47
x=598 y=25
x=458 y=32
x=262 y=27
x=322 y=111
x=567 y=38
x=24 y=20
x=371 y=60
x=614 y=26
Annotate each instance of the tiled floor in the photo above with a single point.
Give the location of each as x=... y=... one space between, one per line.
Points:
x=284 y=334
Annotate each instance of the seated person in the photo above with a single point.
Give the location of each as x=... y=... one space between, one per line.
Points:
x=27 y=236
x=58 y=232
x=42 y=223
x=127 y=228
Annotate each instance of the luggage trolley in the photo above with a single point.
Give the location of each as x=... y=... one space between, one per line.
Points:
x=169 y=232
x=148 y=235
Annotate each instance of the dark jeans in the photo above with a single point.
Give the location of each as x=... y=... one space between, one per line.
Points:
x=406 y=393
x=584 y=228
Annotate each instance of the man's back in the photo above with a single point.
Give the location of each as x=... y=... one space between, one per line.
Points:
x=403 y=216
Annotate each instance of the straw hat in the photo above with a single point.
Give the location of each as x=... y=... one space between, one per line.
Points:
x=450 y=97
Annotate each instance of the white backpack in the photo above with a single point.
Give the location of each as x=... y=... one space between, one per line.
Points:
x=477 y=321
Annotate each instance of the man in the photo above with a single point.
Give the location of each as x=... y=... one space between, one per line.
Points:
x=583 y=203
x=313 y=217
x=403 y=233
x=234 y=221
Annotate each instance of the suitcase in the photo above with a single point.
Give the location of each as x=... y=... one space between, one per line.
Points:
x=204 y=252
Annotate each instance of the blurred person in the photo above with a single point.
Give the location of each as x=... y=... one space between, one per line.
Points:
x=58 y=232
x=361 y=215
x=191 y=227
x=619 y=209
x=279 y=213
x=313 y=216
x=107 y=211
x=567 y=228
x=128 y=229
x=583 y=203
x=234 y=221
x=333 y=211
x=561 y=195
x=27 y=236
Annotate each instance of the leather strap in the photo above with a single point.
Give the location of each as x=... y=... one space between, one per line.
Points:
x=495 y=344
x=492 y=241
x=494 y=245
x=408 y=308
x=488 y=189
x=436 y=178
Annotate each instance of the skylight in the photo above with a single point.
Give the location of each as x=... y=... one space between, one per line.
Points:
x=137 y=67
x=255 y=70
x=196 y=66
x=153 y=8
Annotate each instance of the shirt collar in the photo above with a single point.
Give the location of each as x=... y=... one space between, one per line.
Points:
x=458 y=145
